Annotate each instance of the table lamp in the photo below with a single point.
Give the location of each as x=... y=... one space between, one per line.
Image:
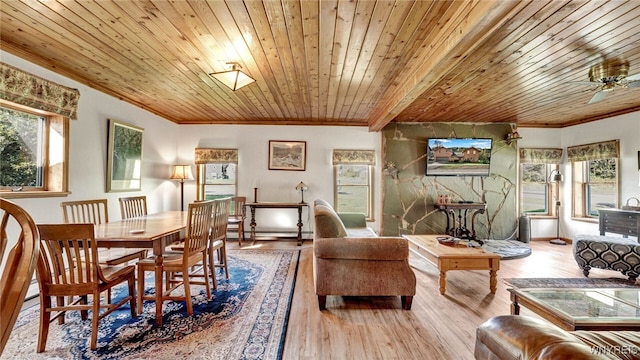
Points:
x=182 y=173
x=302 y=187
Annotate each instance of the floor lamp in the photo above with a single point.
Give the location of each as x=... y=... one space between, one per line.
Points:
x=182 y=173
x=556 y=177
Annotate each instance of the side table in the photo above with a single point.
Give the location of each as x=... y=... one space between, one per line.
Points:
x=463 y=208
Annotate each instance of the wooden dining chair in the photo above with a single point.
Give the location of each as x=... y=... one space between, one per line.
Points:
x=18 y=265
x=184 y=262
x=237 y=216
x=69 y=266
x=96 y=212
x=218 y=238
x=133 y=206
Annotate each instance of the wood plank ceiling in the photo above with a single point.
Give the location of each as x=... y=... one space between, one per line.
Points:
x=339 y=62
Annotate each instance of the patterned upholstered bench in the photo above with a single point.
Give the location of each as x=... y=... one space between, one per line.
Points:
x=607 y=252
x=611 y=252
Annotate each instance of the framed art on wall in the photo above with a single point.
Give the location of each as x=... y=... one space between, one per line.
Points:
x=124 y=159
x=287 y=155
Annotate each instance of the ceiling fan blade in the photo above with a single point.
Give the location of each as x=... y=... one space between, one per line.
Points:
x=634 y=77
x=599 y=96
x=634 y=84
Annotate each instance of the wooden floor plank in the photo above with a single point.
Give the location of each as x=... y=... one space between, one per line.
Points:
x=437 y=326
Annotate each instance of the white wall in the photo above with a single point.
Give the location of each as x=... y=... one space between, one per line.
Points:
x=626 y=128
x=88 y=151
x=162 y=148
x=252 y=143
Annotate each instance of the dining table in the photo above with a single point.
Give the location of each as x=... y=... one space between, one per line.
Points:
x=152 y=231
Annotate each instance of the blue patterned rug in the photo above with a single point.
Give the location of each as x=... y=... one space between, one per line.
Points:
x=245 y=319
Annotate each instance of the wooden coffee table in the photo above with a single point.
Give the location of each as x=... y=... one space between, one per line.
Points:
x=458 y=257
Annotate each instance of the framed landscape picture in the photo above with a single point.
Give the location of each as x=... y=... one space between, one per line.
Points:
x=124 y=159
x=287 y=155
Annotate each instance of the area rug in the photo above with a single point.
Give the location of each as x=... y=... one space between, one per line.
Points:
x=507 y=249
x=577 y=283
x=245 y=319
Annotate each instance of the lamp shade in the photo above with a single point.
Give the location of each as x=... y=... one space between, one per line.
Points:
x=181 y=172
x=234 y=79
x=301 y=186
x=555 y=176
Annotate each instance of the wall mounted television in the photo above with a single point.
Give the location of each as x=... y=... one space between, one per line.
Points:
x=458 y=157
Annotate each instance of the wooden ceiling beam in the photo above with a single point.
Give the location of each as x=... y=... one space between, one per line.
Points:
x=458 y=38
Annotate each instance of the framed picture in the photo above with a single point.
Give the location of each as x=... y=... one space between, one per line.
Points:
x=287 y=155
x=124 y=159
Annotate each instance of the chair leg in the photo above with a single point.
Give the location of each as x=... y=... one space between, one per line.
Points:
x=140 y=288
x=206 y=276
x=406 y=302
x=222 y=255
x=60 y=302
x=322 y=302
x=132 y=293
x=187 y=292
x=212 y=266
x=45 y=316
x=95 y=318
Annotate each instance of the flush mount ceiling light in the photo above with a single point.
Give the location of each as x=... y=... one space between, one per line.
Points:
x=234 y=79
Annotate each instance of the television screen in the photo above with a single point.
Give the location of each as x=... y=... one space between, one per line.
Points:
x=458 y=157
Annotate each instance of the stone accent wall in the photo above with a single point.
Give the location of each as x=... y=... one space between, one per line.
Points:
x=409 y=196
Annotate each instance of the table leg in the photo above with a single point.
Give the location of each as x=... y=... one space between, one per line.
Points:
x=493 y=280
x=443 y=281
x=515 y=307
x=158 y=280
x=300 y=226
x=253 y=225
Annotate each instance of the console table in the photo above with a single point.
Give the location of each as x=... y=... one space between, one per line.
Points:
x=463 y=208
x=275 y=205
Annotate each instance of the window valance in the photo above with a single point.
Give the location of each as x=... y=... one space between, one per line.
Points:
x=29 y=90
x=540 y=156
x=354 y=157
x=213 y=156
x=601 y=150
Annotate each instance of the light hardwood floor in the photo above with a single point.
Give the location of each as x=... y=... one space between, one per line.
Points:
x=437 y=326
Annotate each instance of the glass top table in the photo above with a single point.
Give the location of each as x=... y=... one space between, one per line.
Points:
x=582 y=309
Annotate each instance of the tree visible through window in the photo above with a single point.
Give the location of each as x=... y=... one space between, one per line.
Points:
x=21 y=149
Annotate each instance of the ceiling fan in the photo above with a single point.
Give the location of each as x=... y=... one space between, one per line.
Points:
x=608 y=76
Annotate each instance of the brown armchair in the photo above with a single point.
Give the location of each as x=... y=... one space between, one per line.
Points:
x=356 y=262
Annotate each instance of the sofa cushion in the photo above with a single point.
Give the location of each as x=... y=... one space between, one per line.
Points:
x=327 y=223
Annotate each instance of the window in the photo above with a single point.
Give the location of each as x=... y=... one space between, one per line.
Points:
x=218 y=180
x=217 y=173
x=595 y=186
x=595 y=177
x=33 y=152
x=353 y=185
x=353 y=189
x=537 y=192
